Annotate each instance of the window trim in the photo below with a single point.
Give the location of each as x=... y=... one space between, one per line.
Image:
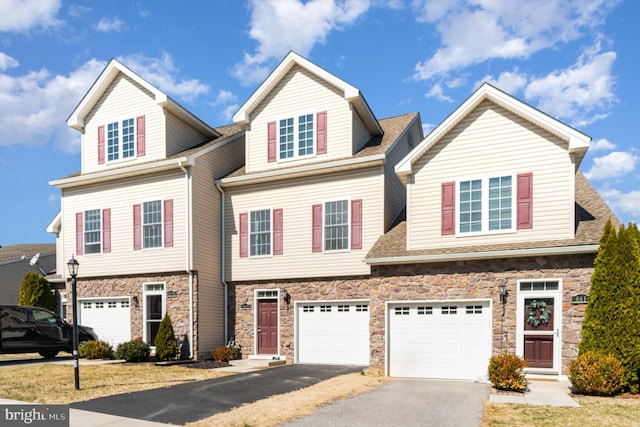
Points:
x=347 y=225
x=100 y=231
x=142 y=223
x=121 y=157
x=296 y=141
x=249 y=233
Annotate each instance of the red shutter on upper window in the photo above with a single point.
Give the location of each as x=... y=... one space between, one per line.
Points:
x=168 y=223
x=448 y=220
x=277 y=231
x=79 y=233
x=271 y=141
x=101 y=144
x=140 y=137
x=106 y=230
x=321 y=132
x=356 y=224
x=137 y=227
x=244 y=235
x=525 y=201
x=317 y=228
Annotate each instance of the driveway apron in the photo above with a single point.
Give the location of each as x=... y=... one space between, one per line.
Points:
x=185 y=403
x=405 y=402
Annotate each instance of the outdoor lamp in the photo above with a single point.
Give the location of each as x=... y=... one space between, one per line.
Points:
x=503 y=292
x=286 y=297
x=73 y=265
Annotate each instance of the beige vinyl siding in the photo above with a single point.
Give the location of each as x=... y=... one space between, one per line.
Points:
x=181 y=136
x=122 y=100
x=296 y=198
x=206 y=238
x=489 y=142
x=120 y=196
x=360 y=133
x=299 y=92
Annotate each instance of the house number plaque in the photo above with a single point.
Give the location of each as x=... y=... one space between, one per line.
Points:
x=580 y=299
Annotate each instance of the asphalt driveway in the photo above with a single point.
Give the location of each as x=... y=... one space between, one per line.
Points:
x=185 y=403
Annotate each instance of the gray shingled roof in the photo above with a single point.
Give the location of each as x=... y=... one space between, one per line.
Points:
x=15 y=252
x=592 y=214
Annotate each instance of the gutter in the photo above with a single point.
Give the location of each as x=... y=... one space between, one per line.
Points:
x=222 y=261
x=463 y=256
x=188 y=269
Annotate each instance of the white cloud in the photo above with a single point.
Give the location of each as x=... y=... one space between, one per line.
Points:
x=164 y=74
x=7 y=62
x=510 y=82
x=437 y=92
x=601 y=145
x=108 y=25
x=36 y=105
x=475 y=31
x=628 y=203
x=283 y=25
x=612 y=165
x=24 y=15
x=78 y=10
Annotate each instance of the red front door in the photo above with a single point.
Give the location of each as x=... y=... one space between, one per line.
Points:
x=268 y=326
x=538 y=333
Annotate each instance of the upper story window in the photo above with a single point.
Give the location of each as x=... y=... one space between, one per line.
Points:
x=92 y=231
x=260 y=232
x=152 y=224
x=121 y=140
x=337 y=225
x=296 y=136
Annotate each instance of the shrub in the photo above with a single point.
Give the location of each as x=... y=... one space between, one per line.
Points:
x=597 y=373
x=133 y=351
x=165 y=341
x=505 y=372
x=95 y=350
x=222 y=354
x=36 y=291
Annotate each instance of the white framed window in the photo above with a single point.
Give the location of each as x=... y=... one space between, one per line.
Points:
x=260 y=232
x=296 y=136
x=336 y=225
x=152 y=224
x=486 y=204
x=121 y=140
x=93 y=231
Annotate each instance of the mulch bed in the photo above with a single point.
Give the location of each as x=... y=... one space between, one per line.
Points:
x=206 y=364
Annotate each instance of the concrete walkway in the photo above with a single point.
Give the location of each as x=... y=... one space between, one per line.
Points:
x=541 y=392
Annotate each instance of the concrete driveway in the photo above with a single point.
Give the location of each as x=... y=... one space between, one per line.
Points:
x=406 y=402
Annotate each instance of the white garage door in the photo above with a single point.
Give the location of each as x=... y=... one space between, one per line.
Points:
x=333 y=332
x=439 y=340
x=110 y=318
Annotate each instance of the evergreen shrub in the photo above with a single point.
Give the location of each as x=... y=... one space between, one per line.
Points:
x=597 y=373
x=505 y=372
x=165 y=341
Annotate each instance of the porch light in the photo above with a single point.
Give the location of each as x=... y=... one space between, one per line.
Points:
x=286 y=296
x=503 y=292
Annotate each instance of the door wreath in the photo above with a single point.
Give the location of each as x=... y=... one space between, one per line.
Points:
x=536 y=319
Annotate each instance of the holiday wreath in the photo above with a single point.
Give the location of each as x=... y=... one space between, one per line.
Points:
x=533 y=318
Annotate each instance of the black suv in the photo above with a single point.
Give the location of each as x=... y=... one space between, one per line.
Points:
x=25 y=329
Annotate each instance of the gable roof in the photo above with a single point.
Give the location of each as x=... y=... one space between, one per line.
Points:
x=351 y=94
x=577 y=142
x=16 y=252
x=110 y=72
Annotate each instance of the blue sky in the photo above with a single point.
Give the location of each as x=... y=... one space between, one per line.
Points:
x=577 y=60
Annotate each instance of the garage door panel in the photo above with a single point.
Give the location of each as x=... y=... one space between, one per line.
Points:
x=110 y=318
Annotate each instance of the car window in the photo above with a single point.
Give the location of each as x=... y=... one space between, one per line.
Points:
x=42 y=317
x=16 y=316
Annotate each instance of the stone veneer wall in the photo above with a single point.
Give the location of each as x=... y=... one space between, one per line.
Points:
x=432 y=281
x=121 y=286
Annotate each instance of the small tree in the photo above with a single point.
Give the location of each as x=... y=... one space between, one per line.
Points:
x=36 y=291
x=165 y=341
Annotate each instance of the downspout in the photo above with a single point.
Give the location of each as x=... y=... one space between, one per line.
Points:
x=222 y=261
x=187 y=176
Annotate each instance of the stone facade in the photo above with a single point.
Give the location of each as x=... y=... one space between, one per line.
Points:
x=433 y=281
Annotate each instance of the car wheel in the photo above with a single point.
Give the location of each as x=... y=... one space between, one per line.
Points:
x=48 y=354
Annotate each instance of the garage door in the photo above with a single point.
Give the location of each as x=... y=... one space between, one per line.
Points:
x=333 y=333
x=110 y=318
x=439 y=340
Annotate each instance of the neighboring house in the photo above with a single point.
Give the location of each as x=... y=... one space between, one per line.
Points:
x=142 y=216
x=18 y=260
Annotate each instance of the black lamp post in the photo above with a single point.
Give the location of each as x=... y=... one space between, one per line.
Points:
x=73 y=265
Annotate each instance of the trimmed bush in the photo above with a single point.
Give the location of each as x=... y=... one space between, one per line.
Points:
x=597 y=374
x=95 y=350
x=36 y=291
x=222 y=354
x=505 y=372
x=165 y=341
x=133 y=351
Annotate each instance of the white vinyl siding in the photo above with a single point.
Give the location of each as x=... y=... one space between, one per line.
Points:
x=285 y=100
x=180 y=136
x=488 y=142
x=298 y=260
x=360 y=133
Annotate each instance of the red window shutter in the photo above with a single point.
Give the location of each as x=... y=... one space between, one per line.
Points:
x=140 y=138
x=321 y=132
x=101 y=144
x=356 y=224
x=168 y=223
x=79 y=233
x=525 y=201
x=448 y=224
x=106 y=230
x=317 y=228
x=271 y=141
x=277 y=231
x=137 y=227
x=244 y=235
